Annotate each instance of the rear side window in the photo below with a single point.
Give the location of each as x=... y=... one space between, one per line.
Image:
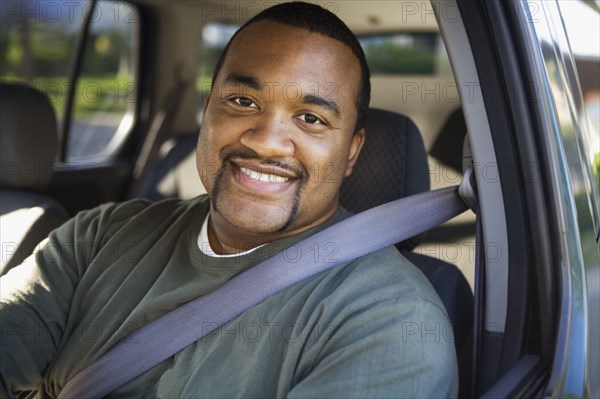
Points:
x=37 y=46
x=420 y=53
x=215 y=36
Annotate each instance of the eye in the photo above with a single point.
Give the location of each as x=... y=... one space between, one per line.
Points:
x=311 y=119
x=244 y=102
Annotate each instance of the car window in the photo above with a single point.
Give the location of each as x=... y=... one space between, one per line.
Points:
x=105 y=96
x=215 y=36
x=581 y=140
x=419 y=53
x=38 y=44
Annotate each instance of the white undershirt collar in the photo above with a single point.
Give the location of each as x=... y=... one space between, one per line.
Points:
x=205 y=247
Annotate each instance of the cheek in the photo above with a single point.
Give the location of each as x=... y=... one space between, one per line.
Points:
x=203 y=150
x=213 y=137
x=207 y=161
x=222 y=130
x=327 y=166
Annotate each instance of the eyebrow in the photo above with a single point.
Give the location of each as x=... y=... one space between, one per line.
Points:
x=320 y=101
x=249 y=81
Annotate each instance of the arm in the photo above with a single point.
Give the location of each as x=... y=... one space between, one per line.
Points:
x=35 y=300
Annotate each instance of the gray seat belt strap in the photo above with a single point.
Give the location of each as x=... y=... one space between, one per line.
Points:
x=351 y=238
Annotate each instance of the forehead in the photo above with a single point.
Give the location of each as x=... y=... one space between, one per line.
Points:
x=282 y=54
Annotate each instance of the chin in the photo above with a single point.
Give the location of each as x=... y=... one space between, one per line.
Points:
x=258 y=220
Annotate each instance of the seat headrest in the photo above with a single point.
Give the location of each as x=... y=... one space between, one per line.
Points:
x=29 y=140
x=391 y=165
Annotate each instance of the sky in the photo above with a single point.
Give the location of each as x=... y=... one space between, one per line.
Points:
x=583 y=27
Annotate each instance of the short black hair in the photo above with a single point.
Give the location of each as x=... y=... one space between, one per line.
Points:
x=315 y=19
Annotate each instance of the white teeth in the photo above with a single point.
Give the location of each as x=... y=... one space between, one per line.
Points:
x=263 y=177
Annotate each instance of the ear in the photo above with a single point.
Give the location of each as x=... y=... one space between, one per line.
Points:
x=355 y=146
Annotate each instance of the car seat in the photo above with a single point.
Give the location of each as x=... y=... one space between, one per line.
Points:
x=393 y=164
x=28 y=148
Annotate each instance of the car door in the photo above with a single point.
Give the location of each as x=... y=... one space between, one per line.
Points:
x=521 y=102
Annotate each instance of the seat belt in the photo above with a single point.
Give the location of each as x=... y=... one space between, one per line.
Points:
x=356 y=236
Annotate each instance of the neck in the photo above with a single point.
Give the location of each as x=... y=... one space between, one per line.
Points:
x=227 y=239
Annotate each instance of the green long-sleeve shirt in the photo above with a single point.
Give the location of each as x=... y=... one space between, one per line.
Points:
x=370 y=328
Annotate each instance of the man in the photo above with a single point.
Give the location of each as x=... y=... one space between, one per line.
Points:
x=287 y=103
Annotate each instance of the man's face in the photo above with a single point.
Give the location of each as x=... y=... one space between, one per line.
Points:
x=277 y=135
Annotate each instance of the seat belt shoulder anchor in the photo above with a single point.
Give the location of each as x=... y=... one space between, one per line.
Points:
x=467 y=189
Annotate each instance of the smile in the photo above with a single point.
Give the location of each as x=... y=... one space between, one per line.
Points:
x=263 y=177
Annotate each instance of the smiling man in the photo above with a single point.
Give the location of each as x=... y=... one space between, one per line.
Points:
x=283 y=126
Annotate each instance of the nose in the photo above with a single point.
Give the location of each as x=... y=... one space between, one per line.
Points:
x=270 y=136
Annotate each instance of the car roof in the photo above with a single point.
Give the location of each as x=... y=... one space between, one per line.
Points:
x=363 y=17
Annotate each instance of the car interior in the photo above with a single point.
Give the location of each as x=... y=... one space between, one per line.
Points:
x=67 y=147
x=28 y=215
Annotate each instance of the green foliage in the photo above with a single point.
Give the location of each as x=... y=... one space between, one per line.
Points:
x=39 y=53
x=389 y=58
x=44 y=50
x=110 y=94
x=596 y=167
x=51 y=44
x=106 y=52
x=40 y=48
x=587 y=233
x=209 y=55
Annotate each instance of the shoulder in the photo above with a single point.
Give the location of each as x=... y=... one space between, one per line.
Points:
x=383 y=291
x=385 y=273
x=91 y=230
x=117 y=211
x=111 y=217
x=386 y=321
x=381 y=276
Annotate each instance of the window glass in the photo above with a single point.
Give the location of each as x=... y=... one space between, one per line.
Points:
x=105 y=94
x=582 y=22
x=37 y=44
x=582 y=146
x=214 y=39
x=579 y=119
x=404 y=53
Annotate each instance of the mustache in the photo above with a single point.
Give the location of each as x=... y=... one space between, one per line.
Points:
x=229 y=154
